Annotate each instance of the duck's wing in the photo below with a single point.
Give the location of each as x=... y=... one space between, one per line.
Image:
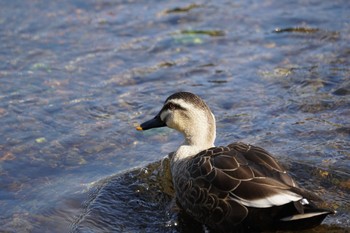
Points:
x=261 y=162
x=266 y=170
x=226 y=181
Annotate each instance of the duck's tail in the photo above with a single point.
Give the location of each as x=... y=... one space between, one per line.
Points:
x=310 y=218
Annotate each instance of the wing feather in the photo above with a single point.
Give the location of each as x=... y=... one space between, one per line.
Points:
x=225 y=181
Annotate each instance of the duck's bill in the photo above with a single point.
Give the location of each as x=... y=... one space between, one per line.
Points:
x=154 y=123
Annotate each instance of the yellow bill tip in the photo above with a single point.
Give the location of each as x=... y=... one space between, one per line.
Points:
x=139 y=128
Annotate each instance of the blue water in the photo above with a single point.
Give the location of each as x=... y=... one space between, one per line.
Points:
x=77 y=76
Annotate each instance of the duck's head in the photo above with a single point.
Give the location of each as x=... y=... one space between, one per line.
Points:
x=188 y=114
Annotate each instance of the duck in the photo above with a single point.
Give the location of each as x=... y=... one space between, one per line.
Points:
x=234 y=188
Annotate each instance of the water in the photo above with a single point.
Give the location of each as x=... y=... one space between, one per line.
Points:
x=77 y=76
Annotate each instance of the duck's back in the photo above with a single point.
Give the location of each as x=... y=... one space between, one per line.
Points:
x=242 y=187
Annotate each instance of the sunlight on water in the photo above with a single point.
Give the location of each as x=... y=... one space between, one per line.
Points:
x=77 y=76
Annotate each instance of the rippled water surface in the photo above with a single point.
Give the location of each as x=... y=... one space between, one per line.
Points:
x=77 y=76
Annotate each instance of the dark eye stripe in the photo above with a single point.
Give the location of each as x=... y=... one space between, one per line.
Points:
x=173 y=106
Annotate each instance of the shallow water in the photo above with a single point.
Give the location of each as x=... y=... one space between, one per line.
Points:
x=76 y=76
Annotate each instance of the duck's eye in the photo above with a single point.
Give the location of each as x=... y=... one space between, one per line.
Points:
x=171 y=106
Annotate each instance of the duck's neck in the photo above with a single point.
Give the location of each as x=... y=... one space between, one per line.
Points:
x=198 y=137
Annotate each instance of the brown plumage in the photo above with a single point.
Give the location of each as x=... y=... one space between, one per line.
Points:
x=234 y=188
x=217 y=178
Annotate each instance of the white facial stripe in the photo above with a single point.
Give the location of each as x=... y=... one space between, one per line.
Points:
x=181 y=103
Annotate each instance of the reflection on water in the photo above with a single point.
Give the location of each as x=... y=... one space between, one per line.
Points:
x=75 y=76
